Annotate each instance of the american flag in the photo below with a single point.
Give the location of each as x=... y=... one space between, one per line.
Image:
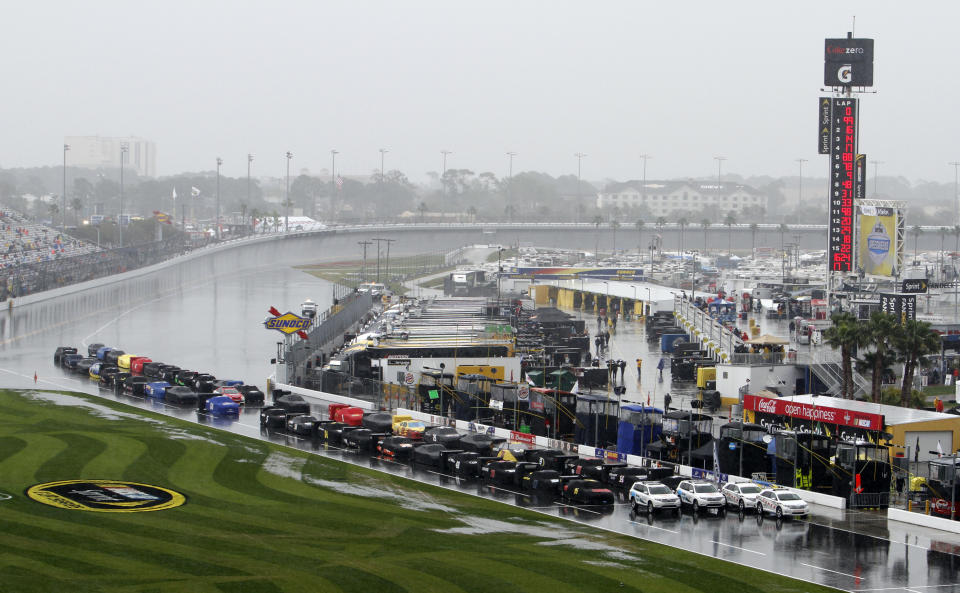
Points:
x=339 y=182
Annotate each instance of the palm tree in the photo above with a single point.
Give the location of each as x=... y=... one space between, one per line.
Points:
x=422 y=209
x=847 y=334
x=615 y=225
x=730 y=219
x=661 y=222
x=753 y=236
x=916 y=340
x=917 y=229
x=882 y=331
x=682 y=223
x=639 y=224
x=254 y=215
x=705 y=223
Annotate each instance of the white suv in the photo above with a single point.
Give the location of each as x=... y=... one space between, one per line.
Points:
x=653 y=496
x=782 y=503
x=700 y=494
x=742 y=495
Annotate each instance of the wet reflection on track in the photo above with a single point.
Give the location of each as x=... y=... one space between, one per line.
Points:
x=822 y=549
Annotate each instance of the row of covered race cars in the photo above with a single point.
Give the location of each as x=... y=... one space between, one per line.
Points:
x=495 y=461
x=130 y=374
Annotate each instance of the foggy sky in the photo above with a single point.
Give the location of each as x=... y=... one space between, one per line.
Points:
x=682 y=81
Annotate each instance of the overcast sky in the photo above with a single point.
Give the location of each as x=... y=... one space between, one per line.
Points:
x=682 y=81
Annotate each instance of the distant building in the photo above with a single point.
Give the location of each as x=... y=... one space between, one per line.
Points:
x=663 y=198
x=102 y=152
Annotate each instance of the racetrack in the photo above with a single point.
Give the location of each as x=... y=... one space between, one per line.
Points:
x=259 y=516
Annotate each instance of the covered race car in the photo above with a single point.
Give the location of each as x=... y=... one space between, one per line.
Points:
x=157 y=389
x=333 y=432
x=60 y=352
x=597 y=469
x=482 y=444
x=135 y=385
x=153 y=370
x=302 y=425
x=186 y=378
x=69 y=361
x=94 y=371
x=554 y=459
x=378 y=422
x=112 y=355
x=83 y=366
x=136 y=364
x=292 y=403
x=465 y=464
x=543 y=479
x=219 y=405
x=251 y=395
x=204 y=383
x=587 y=492
x=107 y=376
x=499 y=472
x=273 y=417
x=363 y=439
x=179 y=395
x=625 y=477
x=102 y=352
x=445 y=435
x=350 y=415
x=428 y=455
x=93 y=348
x=169 y=373
x=400 y=448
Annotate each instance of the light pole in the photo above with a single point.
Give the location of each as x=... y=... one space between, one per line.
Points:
x=956 y=194
x=579 y=156
x=719 y=160
x=286 y=200
x=876 y=175
x=333 y=174
x=249 y=161
x=444 y=153
x=124 y=147
x=383 y=151
x=643 y=189
x=510 y=155
x=217 y=221
x=499 y=274
x=63 y=198
x=800 y=190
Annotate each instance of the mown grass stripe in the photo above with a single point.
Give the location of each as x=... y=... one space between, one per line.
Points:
x=10 y=446
x=78 y=450
x=121 y=450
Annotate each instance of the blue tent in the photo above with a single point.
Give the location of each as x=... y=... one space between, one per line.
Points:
x=638 y=427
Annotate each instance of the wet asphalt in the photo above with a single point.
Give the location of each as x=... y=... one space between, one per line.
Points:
x=214 y=324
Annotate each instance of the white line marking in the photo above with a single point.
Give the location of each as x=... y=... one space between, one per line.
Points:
x=569 y=506
x=905 y=588
x=713 y=541
x=653 y=526
x=852 y=576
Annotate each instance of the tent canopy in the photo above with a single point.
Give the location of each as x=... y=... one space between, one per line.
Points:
x=768 y=340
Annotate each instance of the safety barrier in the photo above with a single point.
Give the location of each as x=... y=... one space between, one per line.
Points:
x=930 y=521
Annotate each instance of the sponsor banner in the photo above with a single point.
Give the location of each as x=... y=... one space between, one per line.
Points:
x=571 y=273
x=480 y=428
x=523 y=437
x=941 y=506
x=287 y=323
x=916 y=286
x=838 y=416
x=609 y=455
x=398 y=361
x=824 y=105
x=842 y=156
x=877 y=248
x=848 y=62
x=904 y=306
x=105 y=496
x=705 y=474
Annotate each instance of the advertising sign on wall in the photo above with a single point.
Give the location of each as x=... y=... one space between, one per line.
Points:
x=877 y=241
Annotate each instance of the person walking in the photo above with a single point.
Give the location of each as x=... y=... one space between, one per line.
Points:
x=623 y=370
x=639 y=369
x=660 y=367
x=666 y=402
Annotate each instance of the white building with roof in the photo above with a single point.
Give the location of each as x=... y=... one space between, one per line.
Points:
x=663 y=198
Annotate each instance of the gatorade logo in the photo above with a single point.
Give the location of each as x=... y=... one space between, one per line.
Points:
x=105 y=496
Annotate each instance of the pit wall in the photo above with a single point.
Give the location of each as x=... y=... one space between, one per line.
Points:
x=930 y=521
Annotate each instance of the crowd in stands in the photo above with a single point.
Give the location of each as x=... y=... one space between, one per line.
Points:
x=37 y=258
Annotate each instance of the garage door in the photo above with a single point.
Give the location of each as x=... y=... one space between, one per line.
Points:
x=928 y=442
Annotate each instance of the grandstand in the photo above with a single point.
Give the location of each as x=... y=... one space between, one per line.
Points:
x=25 y=242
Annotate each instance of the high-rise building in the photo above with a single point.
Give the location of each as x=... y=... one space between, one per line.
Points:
x=95 y=152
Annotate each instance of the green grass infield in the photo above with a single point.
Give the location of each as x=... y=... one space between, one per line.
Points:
x=262 y=517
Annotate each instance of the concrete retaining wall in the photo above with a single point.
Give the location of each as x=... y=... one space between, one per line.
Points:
x=924 y=520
